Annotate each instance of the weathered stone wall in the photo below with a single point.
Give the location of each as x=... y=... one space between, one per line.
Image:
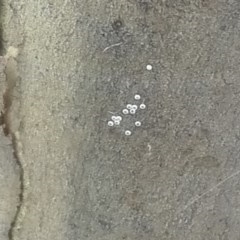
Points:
x=177 y=176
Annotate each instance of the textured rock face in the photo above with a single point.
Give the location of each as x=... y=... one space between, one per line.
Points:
x=9 y=170
x=177 y=176
x=9 y=187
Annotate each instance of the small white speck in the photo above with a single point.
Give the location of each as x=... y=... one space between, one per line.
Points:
x=138 y=124
x=149 y=67
x=134 y=107
x=110 y=123
x=132 y=111
x=142 y=106
x=128 y=133
x=129 y=106
x=137 y=97
x=125 y=111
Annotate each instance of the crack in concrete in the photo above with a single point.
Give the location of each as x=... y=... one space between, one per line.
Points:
x=21 y=179
x=11 y=78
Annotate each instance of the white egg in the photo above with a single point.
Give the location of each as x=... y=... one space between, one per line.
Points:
x=142 y=106
x=128 y=133
x=149 y=67
x=129 y=106
x=132 y=111
x=110 y=123
x=125 y=111
x=138 y=123
x=137 y=97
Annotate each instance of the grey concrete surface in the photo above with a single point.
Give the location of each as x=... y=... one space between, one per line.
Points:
x=9 y=172
x=9 y=186
x=177 y=177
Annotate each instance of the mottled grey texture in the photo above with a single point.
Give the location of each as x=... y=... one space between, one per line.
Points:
x=172 y=178
x=9 y=172
x=9 y=186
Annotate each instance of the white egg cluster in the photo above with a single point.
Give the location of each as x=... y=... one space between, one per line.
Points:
x=115 y=120
x=128 y=111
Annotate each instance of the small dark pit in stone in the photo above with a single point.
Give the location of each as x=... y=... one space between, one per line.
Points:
x=117 y=24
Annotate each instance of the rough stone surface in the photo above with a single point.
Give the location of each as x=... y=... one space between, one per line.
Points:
x=9 y=171
x=9 y=186
x=177 y=177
